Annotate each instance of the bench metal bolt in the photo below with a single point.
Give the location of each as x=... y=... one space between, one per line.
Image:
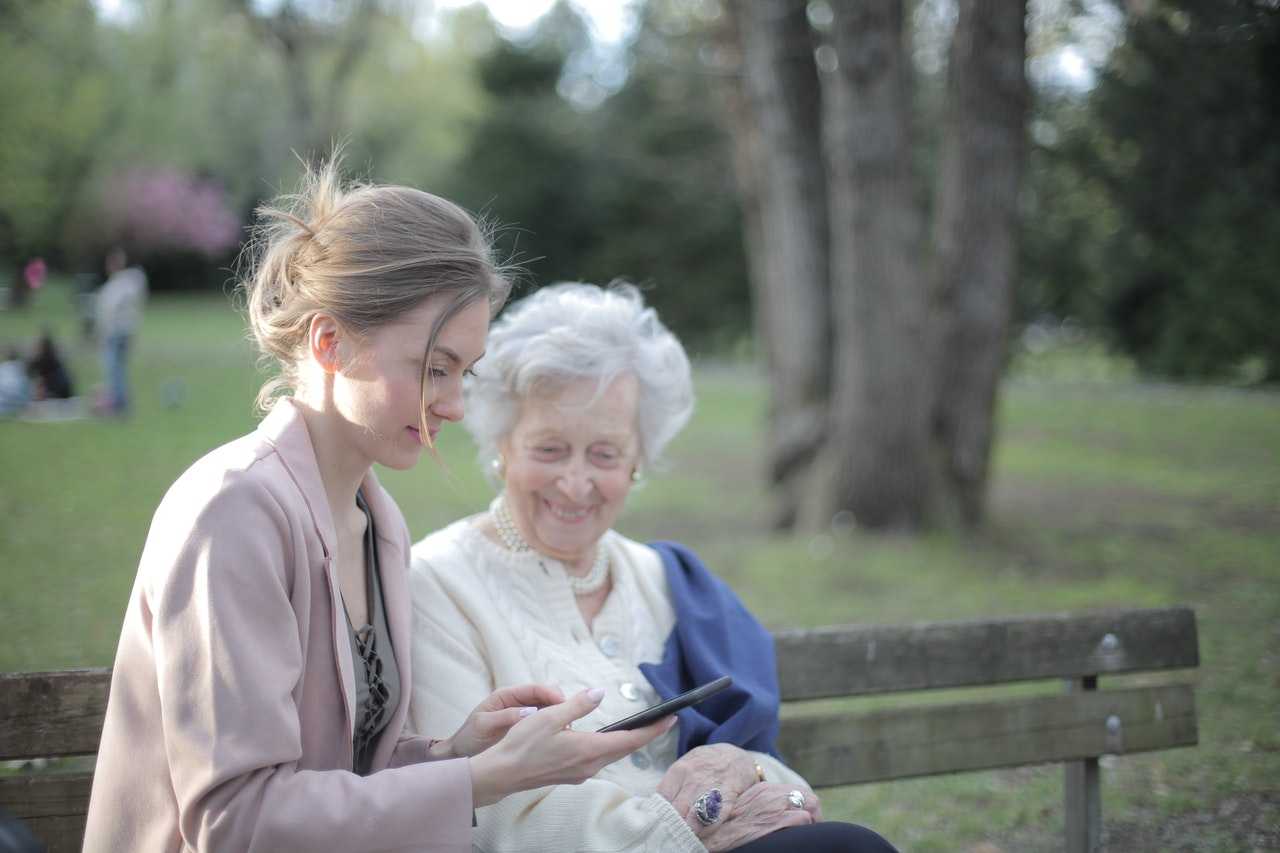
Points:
x=1110 y=643
x=1115 y=735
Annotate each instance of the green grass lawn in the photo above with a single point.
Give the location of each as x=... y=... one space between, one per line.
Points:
x=1106 y=493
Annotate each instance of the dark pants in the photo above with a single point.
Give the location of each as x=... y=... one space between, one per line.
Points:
x=825 y=837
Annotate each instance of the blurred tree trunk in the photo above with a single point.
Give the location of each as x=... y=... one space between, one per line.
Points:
x=975 y=240
x=877 y=459
x=900 y=342
x=777 y=118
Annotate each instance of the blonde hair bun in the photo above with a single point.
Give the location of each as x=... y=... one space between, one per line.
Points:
x=364 y=254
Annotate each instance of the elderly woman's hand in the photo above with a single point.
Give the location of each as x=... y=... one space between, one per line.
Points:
x=494 y=717
x=760 y=810
x=723 y=766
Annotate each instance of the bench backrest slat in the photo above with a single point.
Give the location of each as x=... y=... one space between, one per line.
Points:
x=52 y=713
x=861 y=660
x=53 y=806
x=852 y=747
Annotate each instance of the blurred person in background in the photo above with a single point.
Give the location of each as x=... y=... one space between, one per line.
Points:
x=118 y=312
x=15 y=387
x=48 y=371
x=35 y=273
x=580 y=392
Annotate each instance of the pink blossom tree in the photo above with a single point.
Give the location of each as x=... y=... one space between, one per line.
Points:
x=164 y=210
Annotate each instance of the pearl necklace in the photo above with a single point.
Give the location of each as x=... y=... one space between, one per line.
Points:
x=592 y=582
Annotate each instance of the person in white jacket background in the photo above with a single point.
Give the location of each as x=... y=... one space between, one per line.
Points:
x=581 y=389
x=117 y=315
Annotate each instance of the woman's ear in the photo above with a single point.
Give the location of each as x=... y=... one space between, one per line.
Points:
x=323 y=340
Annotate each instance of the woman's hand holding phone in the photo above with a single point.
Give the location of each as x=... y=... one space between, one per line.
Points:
x=541 y=749
x=494 y=717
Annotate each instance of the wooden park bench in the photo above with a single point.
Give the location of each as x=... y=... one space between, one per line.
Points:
x=56 y=714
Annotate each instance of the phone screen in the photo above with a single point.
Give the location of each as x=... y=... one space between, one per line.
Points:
x=670 y=706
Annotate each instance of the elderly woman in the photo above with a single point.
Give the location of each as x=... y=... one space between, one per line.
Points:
x=579 y=393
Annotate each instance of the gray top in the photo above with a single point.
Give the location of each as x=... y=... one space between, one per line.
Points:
x=377 y=676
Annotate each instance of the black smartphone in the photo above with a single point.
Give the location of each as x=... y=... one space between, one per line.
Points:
x=675 y=703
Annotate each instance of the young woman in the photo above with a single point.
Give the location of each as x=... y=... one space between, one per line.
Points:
x=262 y=680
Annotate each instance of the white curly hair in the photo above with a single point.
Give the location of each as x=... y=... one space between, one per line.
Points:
x=572 y=331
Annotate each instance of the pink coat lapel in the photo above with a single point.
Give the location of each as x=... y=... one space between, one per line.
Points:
x=285 y=428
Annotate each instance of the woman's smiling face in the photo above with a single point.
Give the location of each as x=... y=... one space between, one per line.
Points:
x=568 y=465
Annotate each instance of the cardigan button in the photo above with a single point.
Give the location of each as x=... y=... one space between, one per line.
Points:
x=640 y=760
x=629 y=691
x=610 y=646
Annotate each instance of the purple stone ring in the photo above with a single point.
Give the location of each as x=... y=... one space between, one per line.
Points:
x=707 y=807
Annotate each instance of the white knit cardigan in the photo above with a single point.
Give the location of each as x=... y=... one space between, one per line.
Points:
x=486 y=617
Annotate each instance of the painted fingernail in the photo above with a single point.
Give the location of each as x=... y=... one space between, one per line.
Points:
x=595 y=694
x=527 y=712
x=671 y=724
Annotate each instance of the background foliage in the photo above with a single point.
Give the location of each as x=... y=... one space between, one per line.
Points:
x=1156 y=213
x=1151 y=205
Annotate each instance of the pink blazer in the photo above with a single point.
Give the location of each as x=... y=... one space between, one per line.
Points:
x=229 y=725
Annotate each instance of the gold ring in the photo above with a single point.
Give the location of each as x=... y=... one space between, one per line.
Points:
x=759 y=772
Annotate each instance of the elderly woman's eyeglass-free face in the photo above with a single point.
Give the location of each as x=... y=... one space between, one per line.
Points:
x=569 y=461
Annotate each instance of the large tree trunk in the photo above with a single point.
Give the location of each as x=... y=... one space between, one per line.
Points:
x=778 y=133
x=877 y=457
x=916 y=353
x=975 y=246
